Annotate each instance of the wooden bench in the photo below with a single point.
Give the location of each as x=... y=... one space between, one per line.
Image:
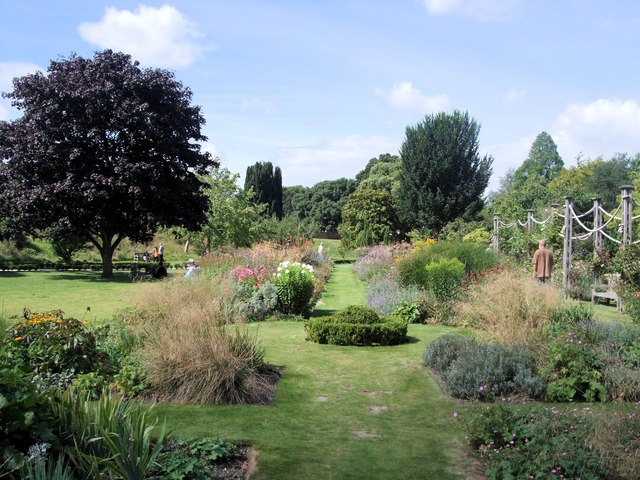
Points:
x=610 y=293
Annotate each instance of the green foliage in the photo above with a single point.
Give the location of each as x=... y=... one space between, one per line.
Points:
x=628 y=264
x=191 y=459
x=479 y=235
x=52 y=344
x=573 y=370
x=356 y=325
x=478 y=371
x=475 y=257
x=25 y=416
x=257 y=303
x=108 y=436
x=368 y=218
x=42 y=468
x=91 y=383
x=443 y=176
x=232 y=218
x=444 y=278
x=534 y=442
x=320 y=204
x=267 y=185
x=295 y=283
x=407 y=312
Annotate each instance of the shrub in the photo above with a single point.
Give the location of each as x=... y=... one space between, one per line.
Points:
x=572 y=369
x=441 y=352
x=476 y=259
x=444 y=278
x=51 y=344
x=534 y=442
x=356 y=325
x=25 y=417
x=384 y=294
x=473 y=370
x=407 y=312
x=295 y=283
x=628 y=264
x=256 y=304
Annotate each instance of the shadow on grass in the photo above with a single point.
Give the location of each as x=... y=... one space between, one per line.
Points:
x=11 y=274
x=118 y=277
x=322 y=312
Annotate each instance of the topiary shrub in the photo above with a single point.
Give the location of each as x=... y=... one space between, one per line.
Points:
x=356 y=325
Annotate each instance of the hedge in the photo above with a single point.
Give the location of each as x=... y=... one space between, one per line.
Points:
x=356 y=325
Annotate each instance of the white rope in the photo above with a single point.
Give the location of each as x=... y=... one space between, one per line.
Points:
x=522 y=224
x=541 y=222
x=610 y=237
x=561 y=215
x=636 y=242
x=573 y=214
x=507 y=225
x=582 y=237
x=635 y=217
x=612 y=215
x=584 y=214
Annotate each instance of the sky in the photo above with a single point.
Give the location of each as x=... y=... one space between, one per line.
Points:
x=319 y=88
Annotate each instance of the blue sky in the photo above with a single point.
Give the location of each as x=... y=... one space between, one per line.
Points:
x=320 y=87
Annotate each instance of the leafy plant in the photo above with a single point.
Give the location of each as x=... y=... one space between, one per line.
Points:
x=295 y=284
x=444 y=278
x=108 y=435
x=407 y=311
x=534 y=442
x=52 y=344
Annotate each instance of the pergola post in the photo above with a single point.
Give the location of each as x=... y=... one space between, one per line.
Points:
x=496 y=231
x=627 y=209
x=568 y=236
x=597 y=234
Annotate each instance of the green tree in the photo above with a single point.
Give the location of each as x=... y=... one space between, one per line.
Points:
x=266 y=185
x=232 y=218
x=383 y=158
x=368 y=218
x=443 y=177
x=103 y=150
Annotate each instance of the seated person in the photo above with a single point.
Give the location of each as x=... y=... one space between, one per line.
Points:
x=192 y=269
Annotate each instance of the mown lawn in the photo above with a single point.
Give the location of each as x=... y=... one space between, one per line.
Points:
x=341 y=412
x=73 y=292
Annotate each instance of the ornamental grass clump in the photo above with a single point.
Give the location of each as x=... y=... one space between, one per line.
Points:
x=295 y=283
x=196 y=348
x=510 y=309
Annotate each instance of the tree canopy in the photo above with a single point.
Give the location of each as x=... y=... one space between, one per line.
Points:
x=443 y=176
x=103 y=149
x=266 y=184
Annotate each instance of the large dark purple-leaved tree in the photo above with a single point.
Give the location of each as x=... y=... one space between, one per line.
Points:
x=104 y=149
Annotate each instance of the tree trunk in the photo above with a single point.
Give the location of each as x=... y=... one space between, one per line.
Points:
x=107 y=260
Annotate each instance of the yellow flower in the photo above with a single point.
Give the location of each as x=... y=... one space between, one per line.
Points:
x=85 y=322
x=17 y=339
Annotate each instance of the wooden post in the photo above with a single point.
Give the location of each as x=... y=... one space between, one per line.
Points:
x=496 y=230
x=568 y=234
x=529 y=220
x=597 y=234
x=627 y=209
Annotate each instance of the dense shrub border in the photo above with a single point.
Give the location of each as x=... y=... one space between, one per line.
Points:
x=356 y=325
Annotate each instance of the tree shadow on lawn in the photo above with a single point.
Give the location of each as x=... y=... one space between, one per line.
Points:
x=11 y=274
x=118 y=277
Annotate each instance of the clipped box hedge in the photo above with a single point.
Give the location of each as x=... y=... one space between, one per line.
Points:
x=356 y=325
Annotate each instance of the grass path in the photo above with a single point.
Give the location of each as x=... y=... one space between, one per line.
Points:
x=343 y=289
x=341 y=412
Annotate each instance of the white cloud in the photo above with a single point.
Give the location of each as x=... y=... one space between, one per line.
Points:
x=405 y=96
x=9 y=71
x=482 y=10
x=337 y=158
x=161 y=37
x=514 y=95
x=603 y=127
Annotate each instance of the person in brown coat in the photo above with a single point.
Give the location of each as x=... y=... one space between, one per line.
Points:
x=542 y=262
